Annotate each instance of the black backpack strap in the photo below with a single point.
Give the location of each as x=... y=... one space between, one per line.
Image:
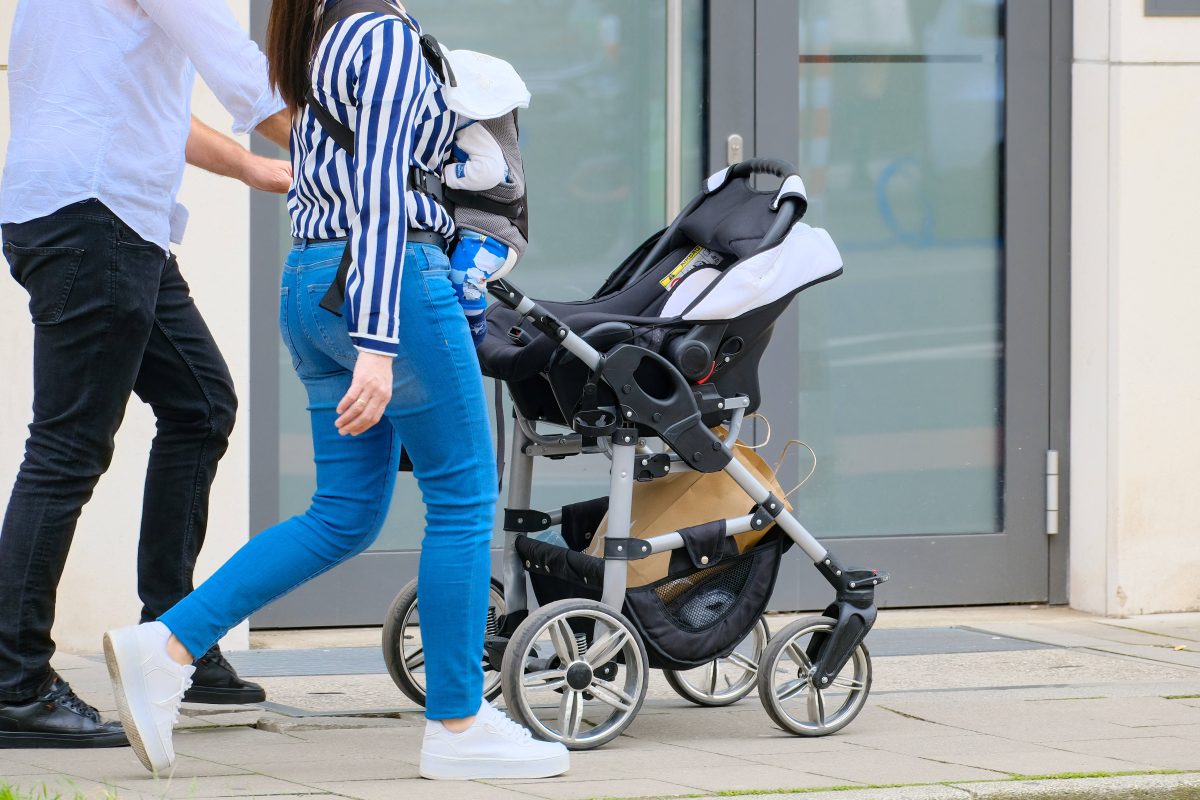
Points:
x=336 y=130
x=335 y=296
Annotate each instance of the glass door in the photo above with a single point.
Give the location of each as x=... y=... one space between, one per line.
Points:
x=594 y=145
x=918 y=378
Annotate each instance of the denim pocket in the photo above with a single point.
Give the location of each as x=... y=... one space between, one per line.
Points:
x=285 y=332
x=47 y=274
x=325 y=330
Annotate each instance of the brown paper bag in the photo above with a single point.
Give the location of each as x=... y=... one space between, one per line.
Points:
x=685 y=499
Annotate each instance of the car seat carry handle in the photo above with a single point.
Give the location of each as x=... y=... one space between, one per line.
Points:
x=762 y=166
x=545 y=322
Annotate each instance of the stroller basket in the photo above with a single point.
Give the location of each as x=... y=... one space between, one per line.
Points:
x=703 y=614
x=692 y=615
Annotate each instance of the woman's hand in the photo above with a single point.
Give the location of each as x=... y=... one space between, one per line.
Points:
x=370 y=392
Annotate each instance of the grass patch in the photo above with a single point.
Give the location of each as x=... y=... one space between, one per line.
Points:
x=1067 y=776
x=1181 y=697
x=44 y=792
x=1179 y=793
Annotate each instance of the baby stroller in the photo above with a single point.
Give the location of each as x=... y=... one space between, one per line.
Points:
x=657 y=372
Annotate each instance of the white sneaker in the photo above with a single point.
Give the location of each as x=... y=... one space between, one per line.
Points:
x=149 y=687
x=493 y=747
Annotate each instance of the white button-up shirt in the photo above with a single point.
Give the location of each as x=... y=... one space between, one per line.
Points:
x=100 y=100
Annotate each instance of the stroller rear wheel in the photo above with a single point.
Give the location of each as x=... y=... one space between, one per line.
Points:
x=724 y=681
x=402 y=650
x=790 y=697
x=576 y=672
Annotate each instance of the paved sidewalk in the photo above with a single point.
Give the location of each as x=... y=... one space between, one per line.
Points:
x=965 y=703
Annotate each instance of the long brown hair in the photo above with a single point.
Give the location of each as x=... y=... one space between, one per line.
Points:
x=290 y=31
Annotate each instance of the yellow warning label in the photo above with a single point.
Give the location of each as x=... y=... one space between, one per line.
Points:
x=674 y=275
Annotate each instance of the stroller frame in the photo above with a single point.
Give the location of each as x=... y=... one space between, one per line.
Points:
x=691 y=446
x=631 y=396
x=854 y=606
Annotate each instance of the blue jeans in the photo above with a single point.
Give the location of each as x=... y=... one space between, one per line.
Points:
x=438 y=411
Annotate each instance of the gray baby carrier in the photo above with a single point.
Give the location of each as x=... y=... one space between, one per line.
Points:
x=501 y=211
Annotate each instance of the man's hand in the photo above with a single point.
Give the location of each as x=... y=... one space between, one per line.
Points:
x=370 y=392
x=218 y=153
x=267 y=174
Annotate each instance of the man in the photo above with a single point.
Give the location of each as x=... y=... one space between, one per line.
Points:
x=101 y=125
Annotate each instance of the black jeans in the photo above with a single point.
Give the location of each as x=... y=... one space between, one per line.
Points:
x=112 y=315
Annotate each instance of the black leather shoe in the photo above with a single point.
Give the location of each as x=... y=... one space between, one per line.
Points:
x=56 y=718
x=216 y=681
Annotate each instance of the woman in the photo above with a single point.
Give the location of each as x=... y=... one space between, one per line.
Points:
x=398 y=366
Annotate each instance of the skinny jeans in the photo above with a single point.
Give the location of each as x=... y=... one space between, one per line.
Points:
x=438 y=411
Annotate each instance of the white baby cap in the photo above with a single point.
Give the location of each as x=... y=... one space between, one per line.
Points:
x=488 y=87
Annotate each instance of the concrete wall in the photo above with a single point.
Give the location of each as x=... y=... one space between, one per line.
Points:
x=98 y=590
x=1135 y=382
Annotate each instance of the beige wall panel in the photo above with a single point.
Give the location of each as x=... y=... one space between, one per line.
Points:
x=1092 y=475
x=1091 y=30
x=1158 y=250
x=1137 y=38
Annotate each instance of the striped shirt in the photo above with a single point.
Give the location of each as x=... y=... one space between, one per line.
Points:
x=369 y=73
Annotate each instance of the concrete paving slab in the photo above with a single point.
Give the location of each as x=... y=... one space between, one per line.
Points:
x=1161 y=752
x=11 y=768
x=1146 y=712
x=633 y=762
x=769 y=744
x=216 y=786
x=881 y=767
x=328 y=772
x=751 y=777
x=414 y=788
x=1047 y=761
x=565 y=789
x=97 y=765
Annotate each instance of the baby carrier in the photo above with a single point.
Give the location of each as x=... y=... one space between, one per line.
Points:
x=501 y=212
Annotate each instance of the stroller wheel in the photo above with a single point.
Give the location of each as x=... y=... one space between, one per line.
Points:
x=791 y=699
x=575 y=672
x=726 y=680
x=402 y=650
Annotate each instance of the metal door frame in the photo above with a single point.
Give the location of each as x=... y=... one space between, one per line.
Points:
x=753 y=92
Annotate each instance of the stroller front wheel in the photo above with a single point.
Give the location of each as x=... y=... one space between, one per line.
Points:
x=404 y=654
x=723 y=681
x=576 y=672
x=789 y=695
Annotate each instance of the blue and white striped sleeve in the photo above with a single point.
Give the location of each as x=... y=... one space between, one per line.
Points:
x=387 y=83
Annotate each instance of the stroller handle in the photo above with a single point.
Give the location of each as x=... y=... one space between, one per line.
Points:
x=762 y=166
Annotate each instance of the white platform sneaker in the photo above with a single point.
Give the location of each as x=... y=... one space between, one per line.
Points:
x=149 y=687
x=493 y=747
